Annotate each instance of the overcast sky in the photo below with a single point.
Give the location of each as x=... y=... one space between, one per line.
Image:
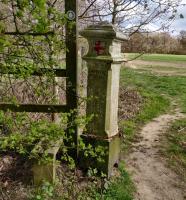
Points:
x=180 y=24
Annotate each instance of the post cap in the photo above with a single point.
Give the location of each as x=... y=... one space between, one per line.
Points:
x=103 y=30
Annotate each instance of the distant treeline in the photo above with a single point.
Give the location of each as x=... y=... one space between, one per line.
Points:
x=156 y=43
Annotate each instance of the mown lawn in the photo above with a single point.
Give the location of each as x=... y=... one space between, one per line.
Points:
x=158 y=57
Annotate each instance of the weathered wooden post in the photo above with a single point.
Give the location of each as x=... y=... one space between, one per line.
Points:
x=71 y=7
x=103 y=60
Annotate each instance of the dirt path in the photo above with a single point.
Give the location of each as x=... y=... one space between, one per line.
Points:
x=153 y=180
x=160 y=68
x=159 y=63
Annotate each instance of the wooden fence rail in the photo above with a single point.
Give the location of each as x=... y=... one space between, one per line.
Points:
x=39 y=108
x=39 y=72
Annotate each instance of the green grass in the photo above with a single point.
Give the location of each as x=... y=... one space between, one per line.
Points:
x=173 y=87
x=120 y=188
x=158 y=57
x=175 y=146
x=157 y=92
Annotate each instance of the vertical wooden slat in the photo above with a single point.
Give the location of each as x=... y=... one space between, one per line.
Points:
x=71 y=63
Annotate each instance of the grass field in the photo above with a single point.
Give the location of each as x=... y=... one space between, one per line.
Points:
x=157 y=57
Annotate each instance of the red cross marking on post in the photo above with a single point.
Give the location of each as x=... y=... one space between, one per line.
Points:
x=98 y=48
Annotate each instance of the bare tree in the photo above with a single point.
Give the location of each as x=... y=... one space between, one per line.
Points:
x=131 y=15
x=183 y=40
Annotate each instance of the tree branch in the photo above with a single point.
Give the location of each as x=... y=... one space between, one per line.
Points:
x=86 y=10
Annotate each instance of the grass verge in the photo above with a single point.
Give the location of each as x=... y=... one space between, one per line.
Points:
x=175 y=147
x=154 y=103
x=120 y=188
x=167 y=87
x=157 y=92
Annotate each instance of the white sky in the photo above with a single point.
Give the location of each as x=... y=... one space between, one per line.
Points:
x=179 y=24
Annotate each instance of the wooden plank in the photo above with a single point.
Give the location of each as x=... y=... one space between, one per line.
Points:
x=71 y=63
x=38 y=108
x=71 y=54
x=39 y=72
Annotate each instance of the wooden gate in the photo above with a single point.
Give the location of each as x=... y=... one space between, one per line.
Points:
x=70 y=73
